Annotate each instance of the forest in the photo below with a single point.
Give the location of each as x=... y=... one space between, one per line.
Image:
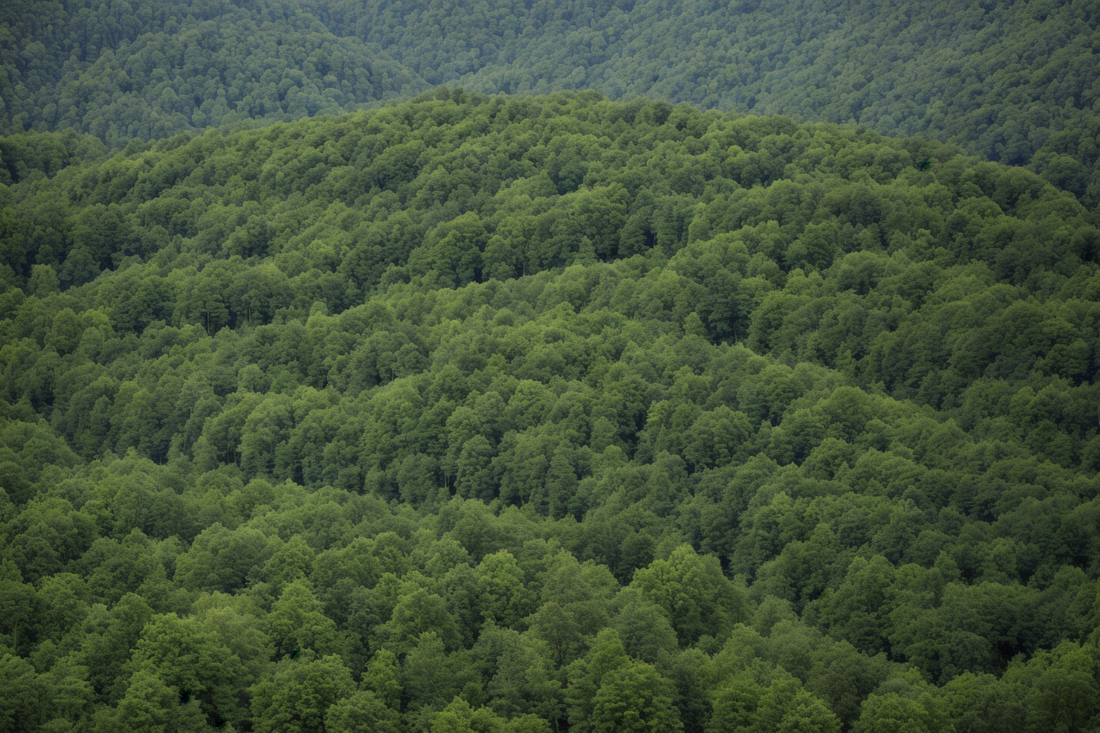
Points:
x=1014 y=82
x=532 y=414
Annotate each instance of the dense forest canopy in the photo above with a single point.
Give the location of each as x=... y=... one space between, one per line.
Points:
x=545 y=413
x=1015 y=82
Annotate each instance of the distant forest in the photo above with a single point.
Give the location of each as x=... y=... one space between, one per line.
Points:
x=524 y=414
x=1015 y=82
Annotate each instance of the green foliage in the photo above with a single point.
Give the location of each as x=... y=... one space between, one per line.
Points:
x=300 y=694
x=361 y=711
x=21 y=691
x=152 y=70
x=1012 y=82
x=488 y=414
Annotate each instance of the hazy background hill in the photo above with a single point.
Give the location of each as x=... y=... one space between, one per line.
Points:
x=1014 y=82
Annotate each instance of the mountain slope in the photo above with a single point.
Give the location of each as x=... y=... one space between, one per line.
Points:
x=515 y=414
x=150 y=70
x=1013 y=82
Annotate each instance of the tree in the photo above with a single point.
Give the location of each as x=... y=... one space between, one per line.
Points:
x=189 y=661
x=857 y=610
x=363 y=710
x=586 y=677
x=293 y=561
x=693 y=593
x=418 y=612
x=892 y=713
x=473 y=478
x=235 y=623
x=505 y=598
x=149 y=704
x=69 y=692
x=298 y=696
x=21 y=692
x=984 y=703
x=429 y=677
x=561 y=481
x=635 y=698
x=843 y=678
x=460 y=717
x=644 y=628
x=692 y=673
x=1064 y=697
x=108 y=641
x=786 y=707
x=522 y=680
x=560 y=629
x=221 y=559
x=17 y=606
x=735 y=705
x=298 y=623
x=716 y=438
x=383 y=677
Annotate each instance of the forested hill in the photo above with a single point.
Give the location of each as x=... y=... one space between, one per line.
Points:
x=150 y=69
x=1014 y=82
x=547 y=414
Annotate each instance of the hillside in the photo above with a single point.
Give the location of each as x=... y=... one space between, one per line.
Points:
x=152 y=69
x=1012 y=82
x=546 y=413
